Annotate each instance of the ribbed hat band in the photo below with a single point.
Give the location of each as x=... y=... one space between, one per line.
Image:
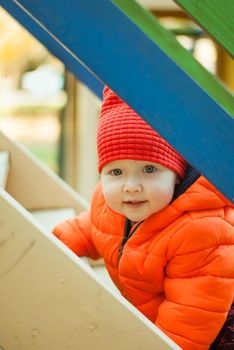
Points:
x=123 y=134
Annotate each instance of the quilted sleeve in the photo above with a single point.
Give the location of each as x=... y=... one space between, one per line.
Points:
x=199 y=283
x=76 y=234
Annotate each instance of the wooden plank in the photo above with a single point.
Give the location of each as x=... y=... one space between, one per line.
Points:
x=146 y=78
x=51 y=299
x=49 y=218
x=216 y=17
x=169 y=44
x=71 y=62
x=4 y=168
x=33 y=184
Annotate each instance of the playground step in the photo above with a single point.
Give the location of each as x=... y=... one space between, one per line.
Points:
x=49 y=218
x=33 y=184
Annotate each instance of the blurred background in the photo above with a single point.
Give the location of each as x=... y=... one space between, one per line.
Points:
x=47 y=109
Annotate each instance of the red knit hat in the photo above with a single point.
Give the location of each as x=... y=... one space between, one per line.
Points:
x=123 y=134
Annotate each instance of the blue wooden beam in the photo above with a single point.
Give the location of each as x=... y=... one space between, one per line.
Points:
x=122 y=56
x=72 y=64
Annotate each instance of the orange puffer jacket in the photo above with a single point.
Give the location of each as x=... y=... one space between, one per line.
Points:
x=178 y=266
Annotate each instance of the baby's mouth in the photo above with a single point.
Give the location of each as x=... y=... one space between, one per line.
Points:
x=134 y=203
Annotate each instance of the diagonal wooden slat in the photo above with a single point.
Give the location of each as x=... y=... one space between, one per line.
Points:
x=168 y=43
x=76 y=67
x=215 y=16
x=122 y=56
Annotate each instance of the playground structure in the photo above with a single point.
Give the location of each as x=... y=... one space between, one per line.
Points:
x=50 y=298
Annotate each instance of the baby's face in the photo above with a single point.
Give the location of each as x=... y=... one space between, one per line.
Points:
x=137 y=189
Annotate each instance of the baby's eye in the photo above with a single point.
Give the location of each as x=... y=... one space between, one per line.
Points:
x=149 y=169
x=116 y=172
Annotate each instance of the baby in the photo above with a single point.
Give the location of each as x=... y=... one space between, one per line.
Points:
x=166 y=234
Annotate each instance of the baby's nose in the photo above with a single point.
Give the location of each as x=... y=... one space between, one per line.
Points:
x=132 y=185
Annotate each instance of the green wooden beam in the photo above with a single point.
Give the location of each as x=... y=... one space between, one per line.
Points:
x=169 y=44
x=216 y=17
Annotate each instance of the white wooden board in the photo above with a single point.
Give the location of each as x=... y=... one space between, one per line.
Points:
x=33 y=184
x=51 y=300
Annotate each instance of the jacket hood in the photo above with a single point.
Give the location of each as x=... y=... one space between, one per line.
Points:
x=201 y=195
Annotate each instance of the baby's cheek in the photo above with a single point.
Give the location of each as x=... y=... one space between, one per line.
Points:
x=111 y=198
x=167 y=195
x=107 y=195
x=161 y=198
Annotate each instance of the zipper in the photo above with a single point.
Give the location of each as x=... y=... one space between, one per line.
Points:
x=127 y=234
